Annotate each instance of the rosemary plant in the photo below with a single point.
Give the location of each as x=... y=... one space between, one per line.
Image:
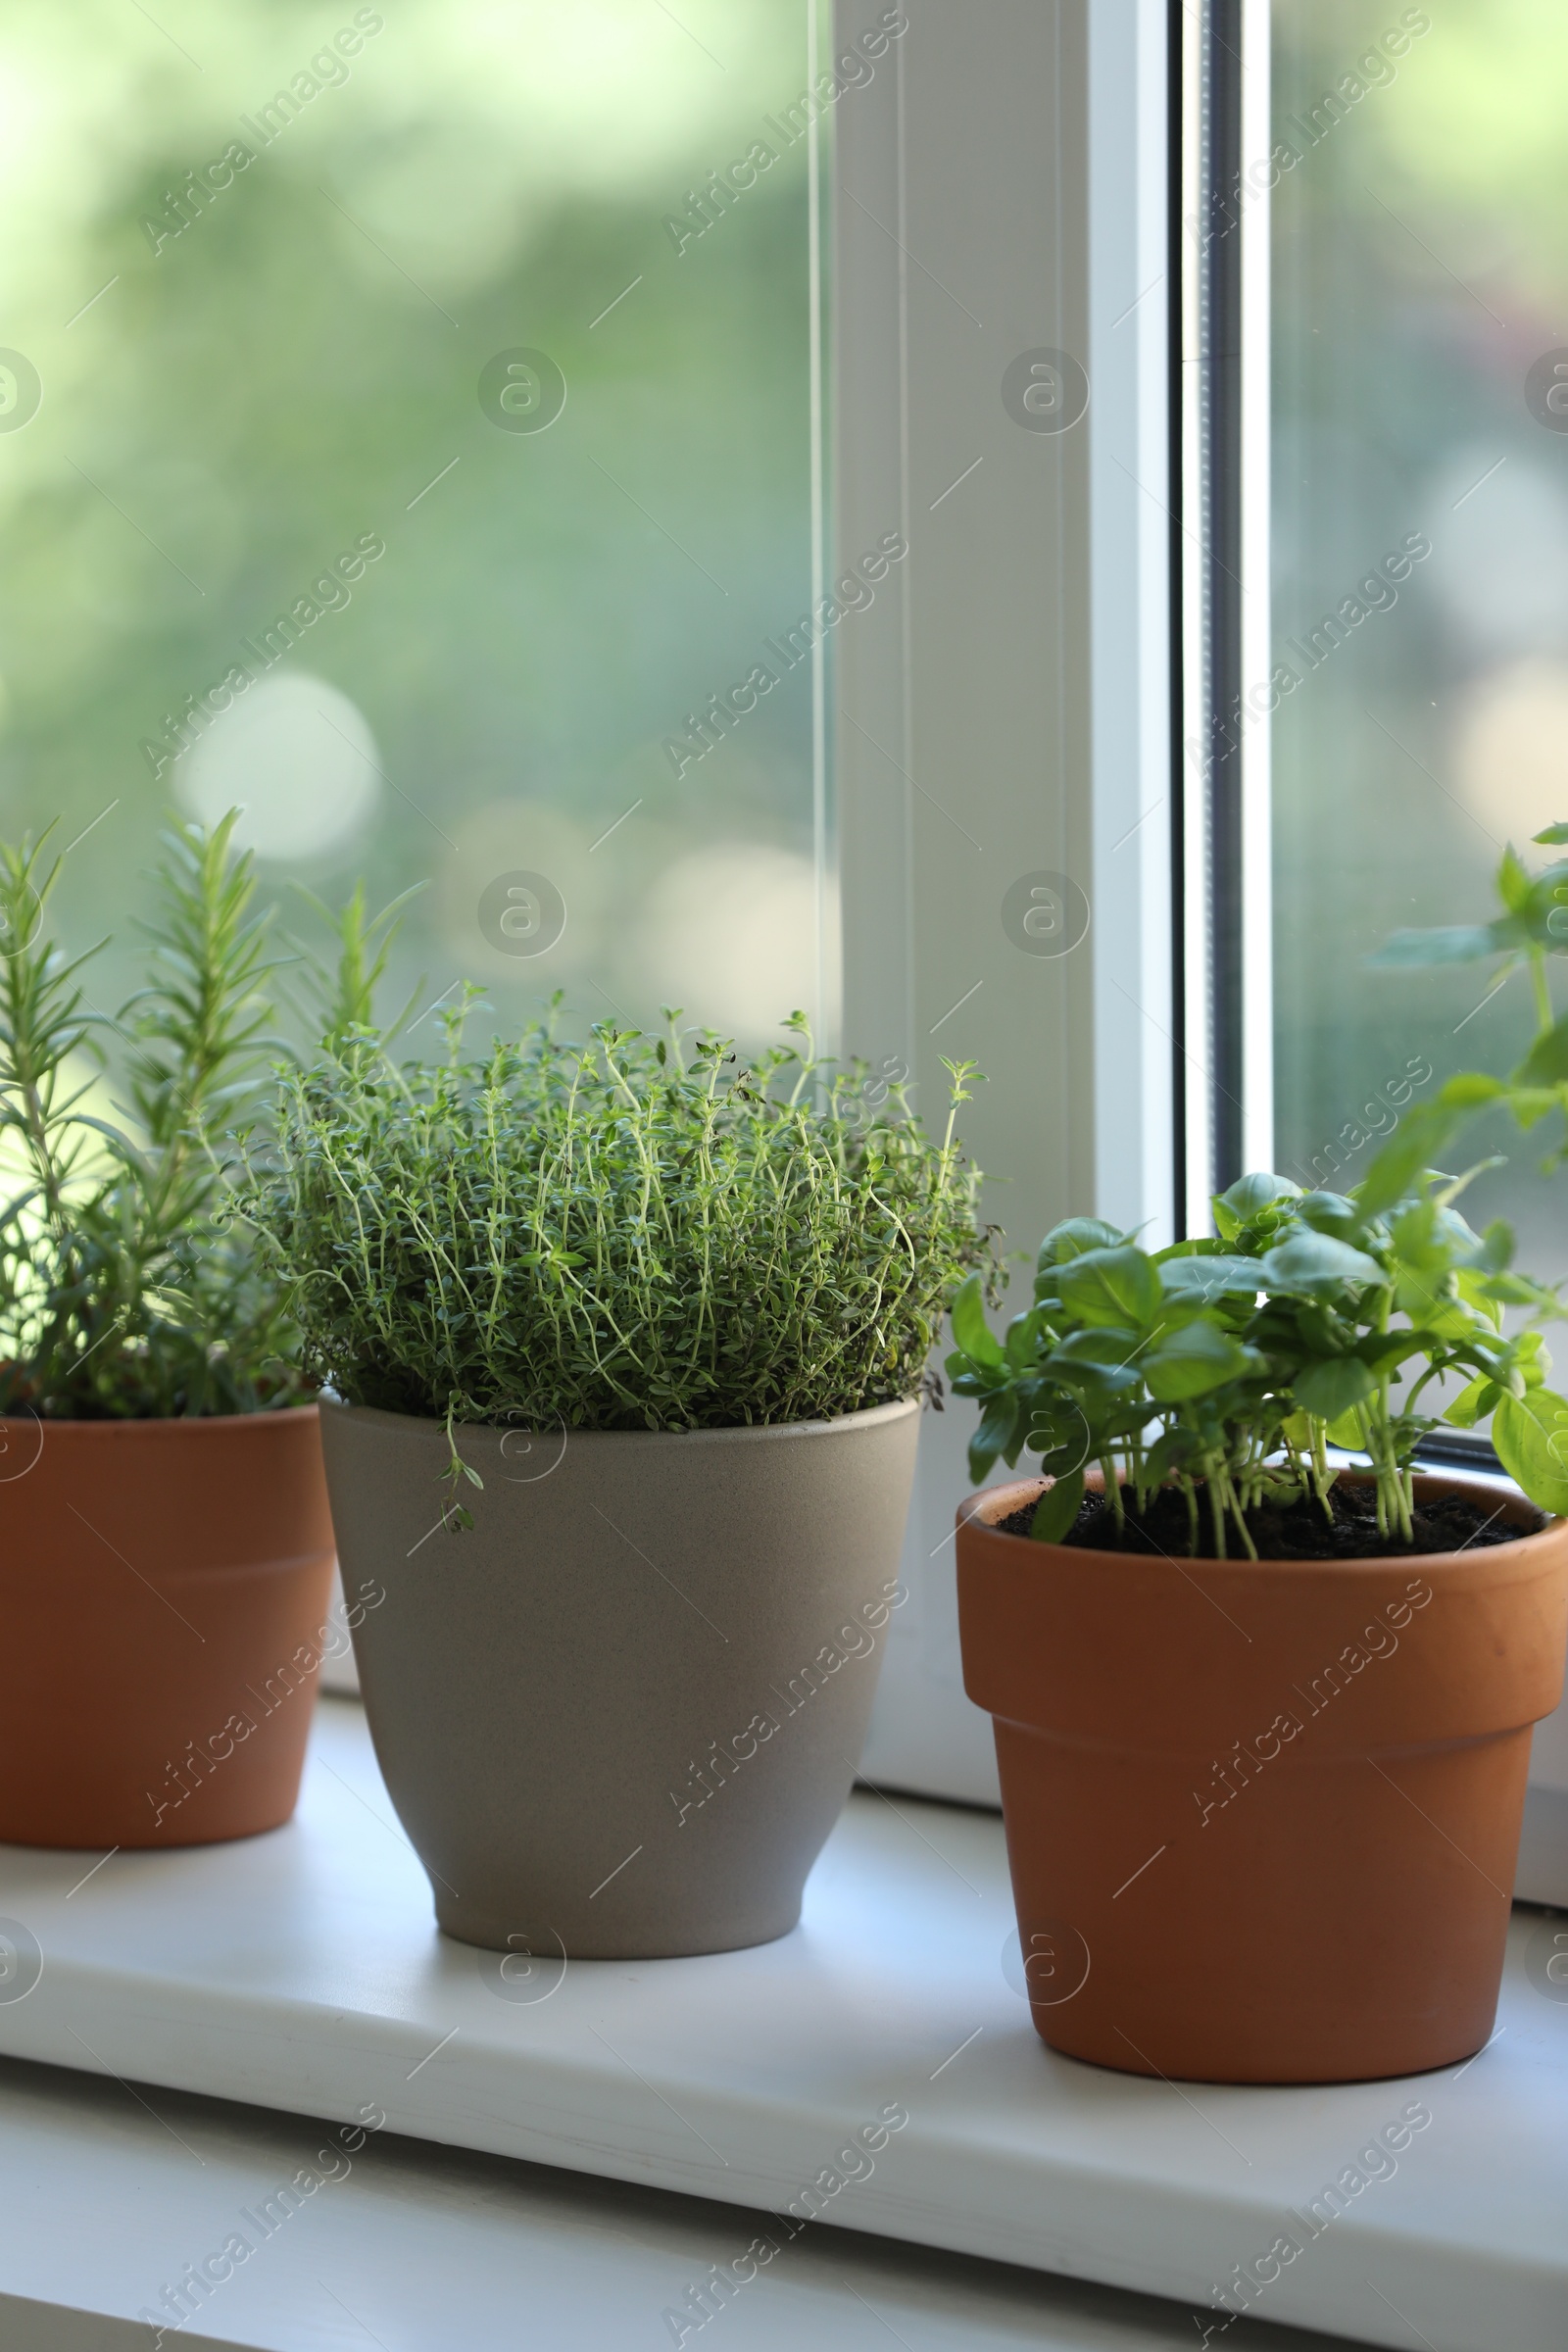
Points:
x=616 y=1235
x=123 y=1291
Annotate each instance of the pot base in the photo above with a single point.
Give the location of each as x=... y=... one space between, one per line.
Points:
x=1268 y=2077
x=684 y=1940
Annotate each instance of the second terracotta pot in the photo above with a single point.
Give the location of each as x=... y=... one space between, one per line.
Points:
x=1262 y=1820
x=620 y=1713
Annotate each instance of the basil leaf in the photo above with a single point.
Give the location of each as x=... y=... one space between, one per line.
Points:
x=1332 y=1387
x=1531 y=1435
x=1209 y=1278
x=1111 y=1287
x=1546 y=1062
x=970 y=1329
x=1071 y=1238
x=1057 y=1508
x=1195 y=1360
x=1316 y=1261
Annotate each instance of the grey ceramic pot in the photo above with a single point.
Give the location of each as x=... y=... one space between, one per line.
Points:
x=620 y=1715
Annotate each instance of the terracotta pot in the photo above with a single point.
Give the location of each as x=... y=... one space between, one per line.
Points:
x=620 y=1715
x=1262 y=1820
x=160 y=1585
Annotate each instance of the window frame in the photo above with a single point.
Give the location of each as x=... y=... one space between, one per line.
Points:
x=930 y=161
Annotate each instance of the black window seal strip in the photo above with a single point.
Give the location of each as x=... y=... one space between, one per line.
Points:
x=1216 y=118
x=1175 y=266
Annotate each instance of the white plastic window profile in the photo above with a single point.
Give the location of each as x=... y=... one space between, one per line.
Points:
x=1001 y=715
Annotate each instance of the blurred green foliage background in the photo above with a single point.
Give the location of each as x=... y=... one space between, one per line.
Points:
x=1420 y=266
x=225 y=409
x=224 y=414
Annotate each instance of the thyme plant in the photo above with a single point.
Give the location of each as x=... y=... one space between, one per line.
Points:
x=1227 y=1367
x=635 y=1233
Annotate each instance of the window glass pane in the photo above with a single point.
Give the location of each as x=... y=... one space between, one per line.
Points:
x=433 y=388
x=1420 y=258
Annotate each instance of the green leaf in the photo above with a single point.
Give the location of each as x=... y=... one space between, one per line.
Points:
x=1059 y=1434
x=1495 y=1250
x=1167 y=1454
x=1514 y=884
x=1208 y=1278
x=1022 y=1342
x=1458 y=942
x=1531 y=1104
x=1328 y=1212
x=970 y=1329
x=999 y=1418
x=1440 y=1319
x=1106 y=1344
x=1552 y=835
x=1195 y=1360
x=1072 y=1237
x=1250 y=1198
x=1531 y=1435
x=1316 y=1261
x=1405 y=1158
x=1347 y=1432
x=1057 y=1508
x=1473 y=1404
x=1248 y=1195
x=1381 y=1350
x=1103 y=1358
x=1111 y=1285
x=1515 y=1289
x=1415 y=1235
x=1332 y=1387
x=1470 y=1090
x=1546 y=1062
x=998 y=1430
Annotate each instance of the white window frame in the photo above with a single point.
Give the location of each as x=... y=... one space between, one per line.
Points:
x=1005 y=188
x=932 y=174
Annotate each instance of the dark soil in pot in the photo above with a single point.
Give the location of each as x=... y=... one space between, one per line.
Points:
x=1299 y=1532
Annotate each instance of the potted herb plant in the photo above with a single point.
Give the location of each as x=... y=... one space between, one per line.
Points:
x=166 y=1546
x=1262 y=1724
x=629 y=1347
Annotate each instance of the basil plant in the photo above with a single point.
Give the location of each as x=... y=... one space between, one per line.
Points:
x=1227 y=1367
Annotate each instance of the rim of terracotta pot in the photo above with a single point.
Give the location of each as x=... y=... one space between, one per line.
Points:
x=739 y=1432
x=116 y=1425
x=984 y=1509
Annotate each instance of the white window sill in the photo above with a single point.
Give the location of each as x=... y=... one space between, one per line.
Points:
x=111 y=2194
x=302 y=1971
